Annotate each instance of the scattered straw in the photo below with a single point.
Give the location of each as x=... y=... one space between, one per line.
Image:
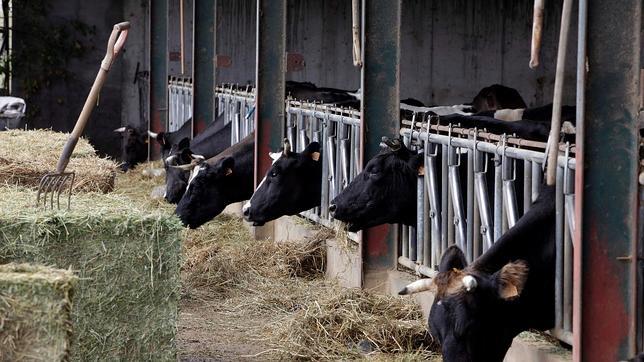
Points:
x=25 y=156
x=35 y=304
x=127 y=258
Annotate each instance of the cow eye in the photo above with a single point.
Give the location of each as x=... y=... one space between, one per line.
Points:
x=274 y=173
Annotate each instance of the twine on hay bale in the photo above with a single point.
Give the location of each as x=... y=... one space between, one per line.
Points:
x=127 y=258
x=26 y=156
x=35 y=312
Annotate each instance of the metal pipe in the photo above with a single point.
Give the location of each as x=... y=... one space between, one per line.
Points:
x=559 y=231
x=469 y=252
x=435 y=213
x=527 y=185
x=498 y=198
x=555 y=128
x=480 y=184
x=457 y=204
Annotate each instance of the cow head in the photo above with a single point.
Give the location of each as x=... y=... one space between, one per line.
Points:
x=384 y=192
x=467 y=316
x=497 y=96
x=178 y=165
x=164 y=142
x=206 y=193
x=292 y=184
x=134 y=146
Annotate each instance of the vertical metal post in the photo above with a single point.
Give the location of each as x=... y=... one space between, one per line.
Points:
x=203 y=64
x=158 y=69
x=270 y=73
x=380 y=110
x=607 y=181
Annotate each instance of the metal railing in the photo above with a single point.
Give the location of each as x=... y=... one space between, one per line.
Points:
x=472 y=213
x=179 y=102
x=236 y=104
x=338 y=132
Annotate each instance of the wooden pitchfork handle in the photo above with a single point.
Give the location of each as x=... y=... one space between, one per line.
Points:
x=114 y=46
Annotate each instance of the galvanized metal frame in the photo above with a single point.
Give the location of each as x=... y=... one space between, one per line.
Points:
x=380 y=110
x=237 y=107
x=421 y=250
x=270 y=74
x=203 y=63
x=180 y=102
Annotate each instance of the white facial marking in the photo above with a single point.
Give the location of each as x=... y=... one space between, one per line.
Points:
x=509 y=115
x=170 y=159
x=469 y=282
x=193 y=174
x=122 y=129
x=274 y=156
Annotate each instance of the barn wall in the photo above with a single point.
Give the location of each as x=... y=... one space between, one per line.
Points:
x=450 y=48
x=174 y=38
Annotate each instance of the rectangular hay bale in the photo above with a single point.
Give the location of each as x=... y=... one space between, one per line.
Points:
x=127 y=259
x=35 y=312
x=26 y=156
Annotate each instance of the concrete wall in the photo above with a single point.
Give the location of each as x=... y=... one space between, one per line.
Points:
x=450 y=49
x=174 y=38
x=60 y=103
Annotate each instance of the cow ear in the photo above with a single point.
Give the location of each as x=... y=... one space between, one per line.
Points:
x=510 y=280
x=417 y=162
x=184 y=143
x=313 y=151
x=453 y=258
x=227 y=166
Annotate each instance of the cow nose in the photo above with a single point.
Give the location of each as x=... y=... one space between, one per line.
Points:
x=332 y=208
x=246 y=212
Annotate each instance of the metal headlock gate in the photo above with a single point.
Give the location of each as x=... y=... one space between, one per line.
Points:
x=338 y=132
x=236 y=104
x=179 y=102
x=474 y=214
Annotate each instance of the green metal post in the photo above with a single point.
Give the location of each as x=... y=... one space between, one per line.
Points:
x=606 y=267
x=203 y=64
x=380 y=80
x=270 y=73
x=158 y=70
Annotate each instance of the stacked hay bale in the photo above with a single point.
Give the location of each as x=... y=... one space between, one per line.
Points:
x=25 y=156
x=35 y=312
x=127 y=258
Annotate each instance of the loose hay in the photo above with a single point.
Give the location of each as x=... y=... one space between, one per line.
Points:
x=127 y=258
x=35 y=318
x=305 y=316
x=25 y=156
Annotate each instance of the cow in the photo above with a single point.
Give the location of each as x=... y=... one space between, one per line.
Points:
x=217 y=182
x=384 y=192
x=167 y=139
x=134 y=147
x=307 y=91
x=529 y=130
x=292 y=184
x=479 y=308
x=212 y=141
x=497 y=96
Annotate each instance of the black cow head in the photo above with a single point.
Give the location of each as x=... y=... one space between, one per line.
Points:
x=177 y=169
x=292 y=184
x=163 y=141
x=134 y=147
x=206 y=195
x=384 y=192
x=468 y=314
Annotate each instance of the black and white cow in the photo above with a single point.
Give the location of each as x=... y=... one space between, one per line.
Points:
x=212 y=141
x=168 y=139
x=384 y=192
x=292 y=184
x=134 y=146
x=218 y=182
x=479 y=308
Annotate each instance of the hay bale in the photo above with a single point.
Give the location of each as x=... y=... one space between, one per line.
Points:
x=127 y=258
x=25 y=156
x=35 y=304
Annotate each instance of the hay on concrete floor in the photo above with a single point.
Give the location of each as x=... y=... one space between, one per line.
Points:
x=127 y=258
x=305 y=316
x=25 y=156
x=35 y=312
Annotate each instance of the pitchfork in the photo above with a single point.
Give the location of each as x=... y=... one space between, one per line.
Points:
x=53 y=184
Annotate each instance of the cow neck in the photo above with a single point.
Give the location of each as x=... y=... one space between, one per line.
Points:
x=234 y=149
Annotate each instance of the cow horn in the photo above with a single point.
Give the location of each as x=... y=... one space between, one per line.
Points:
x=287 y=147
x=153 y=135
x=120 y=130
x=197 y=159
x=186 y=167
x=469 y=282
x=171 y=160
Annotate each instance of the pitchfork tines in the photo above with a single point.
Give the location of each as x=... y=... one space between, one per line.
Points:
x=52 y=185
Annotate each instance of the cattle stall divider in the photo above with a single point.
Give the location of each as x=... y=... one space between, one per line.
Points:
x=337 y=130
x=236 y=104
x=503 y=178
x=180 y=102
